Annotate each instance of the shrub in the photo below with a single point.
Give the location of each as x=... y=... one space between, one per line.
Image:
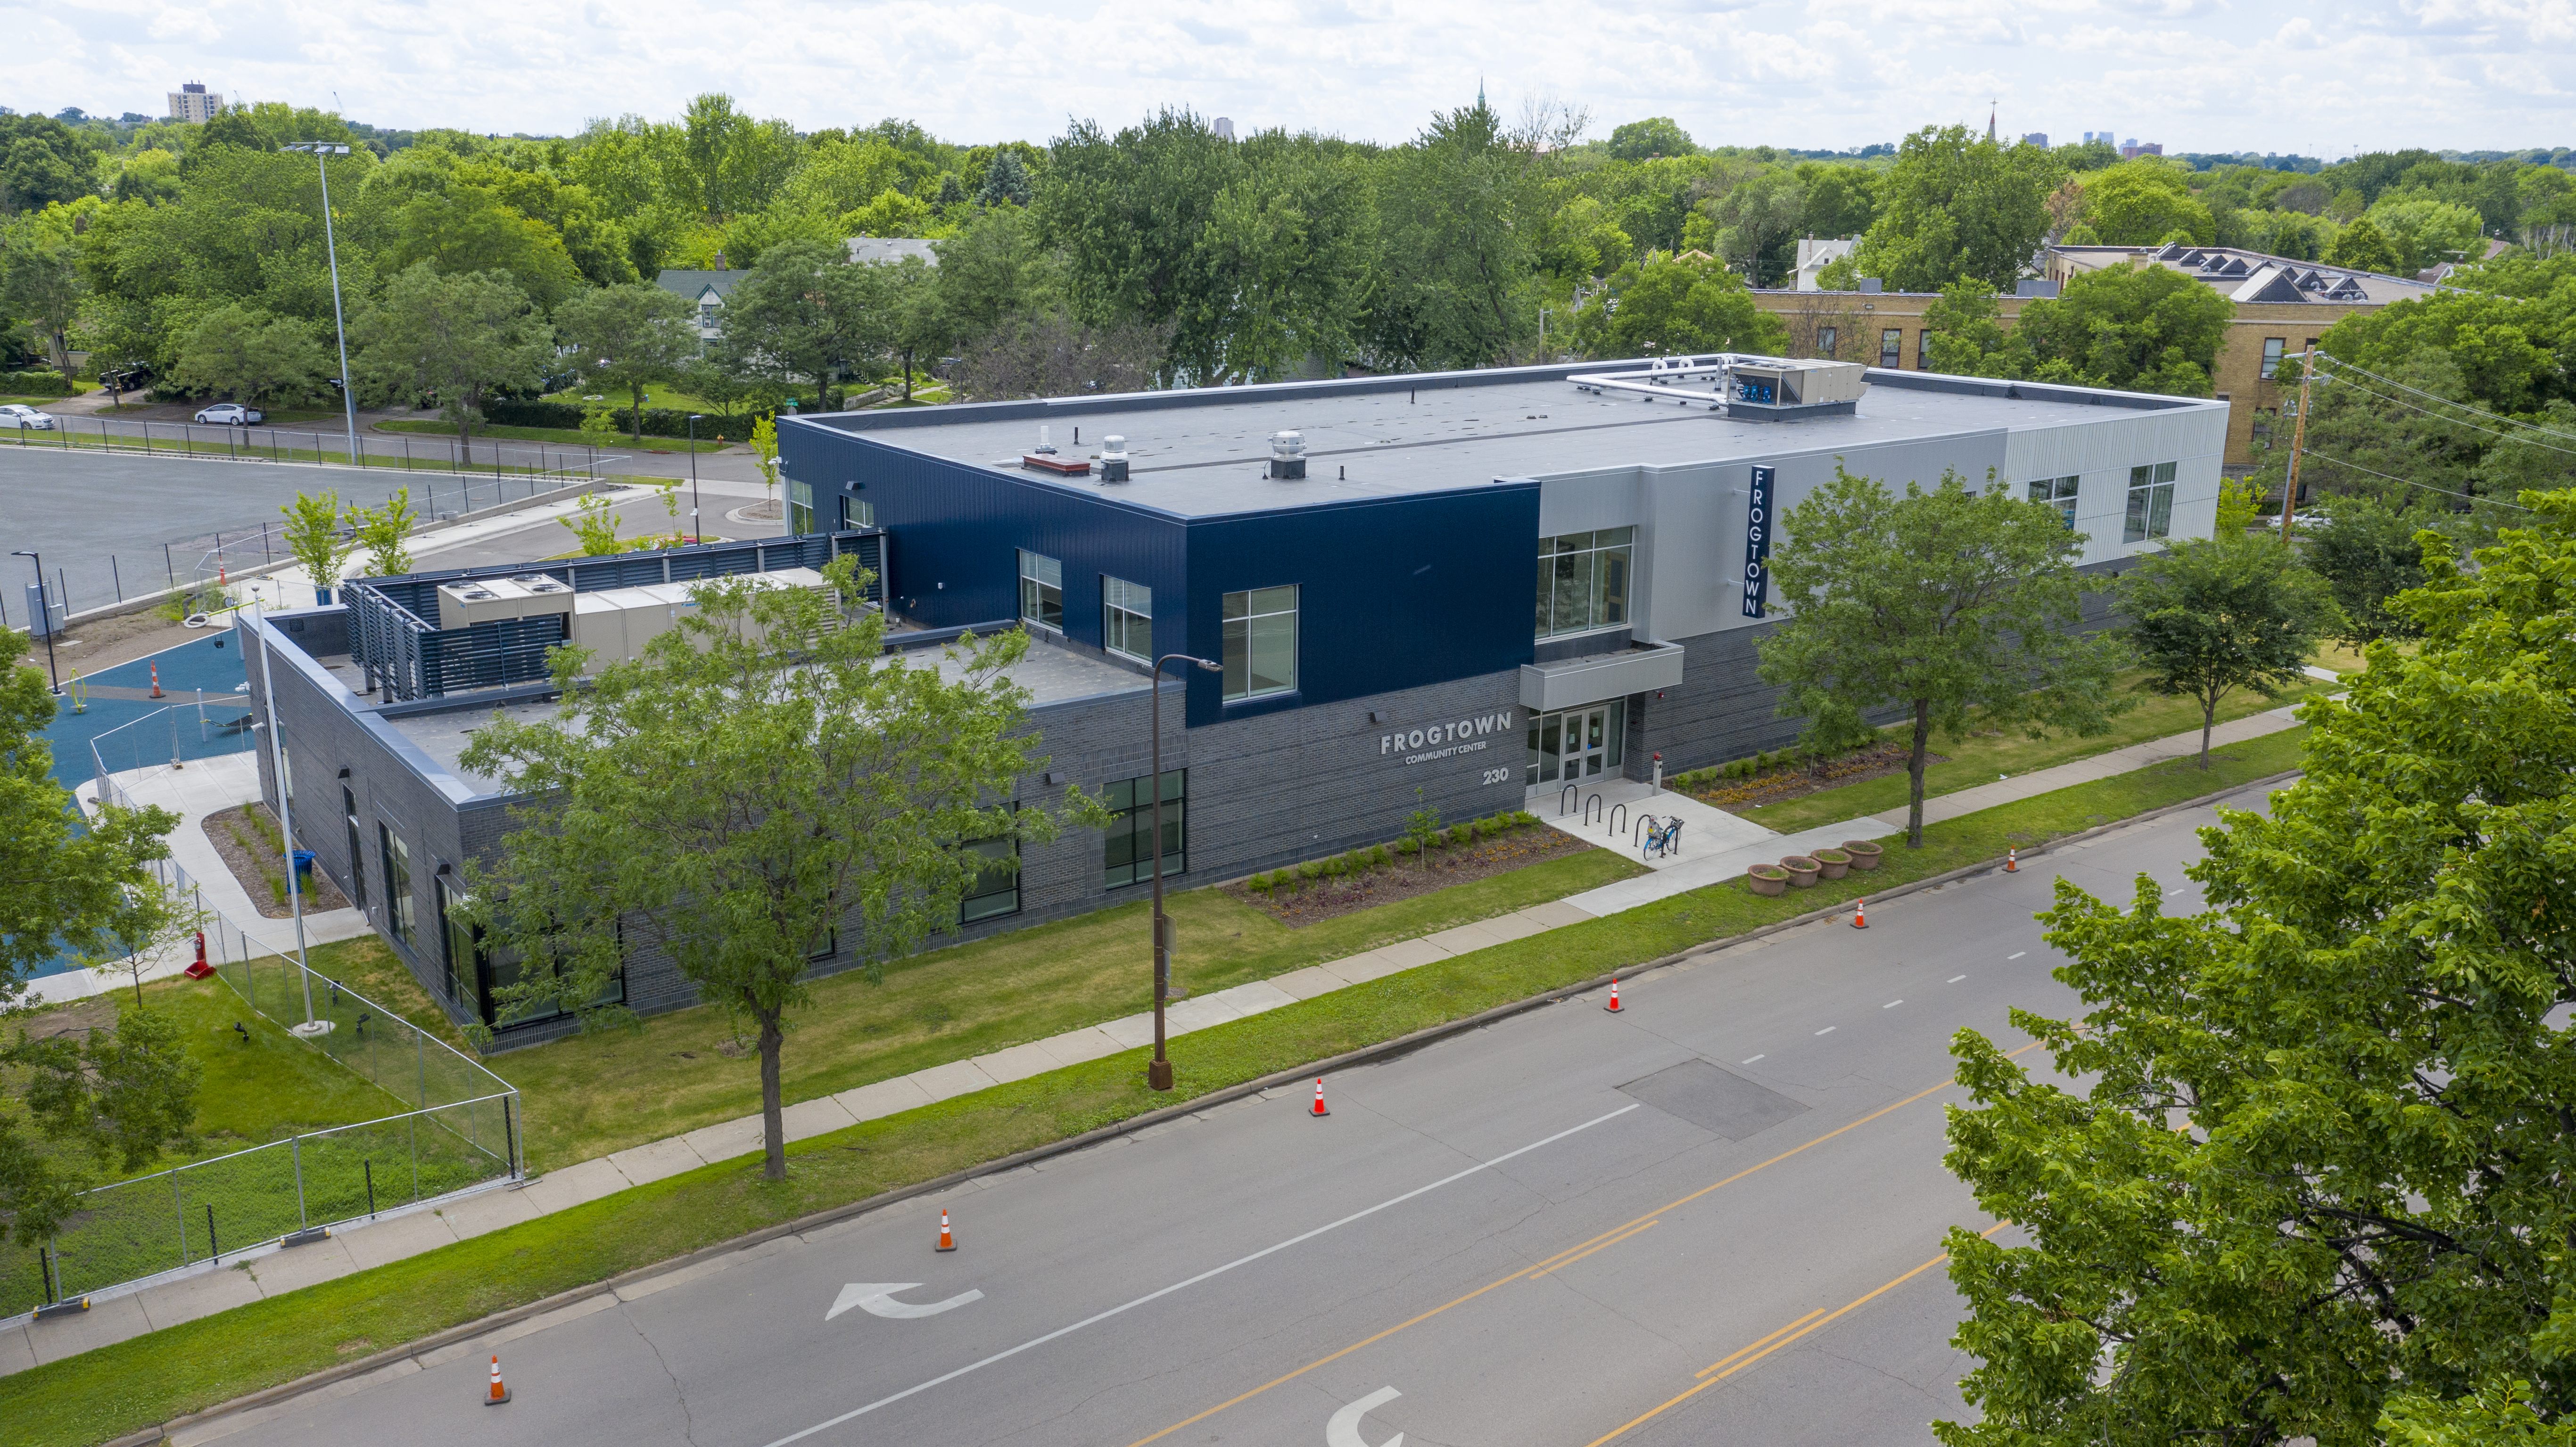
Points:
x=44 y=383
x=1377 y=854
x=658 y=421
x=1310 y=869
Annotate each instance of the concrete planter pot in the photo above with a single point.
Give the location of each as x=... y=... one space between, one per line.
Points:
x=1864 y=854
x=1802 y=871
x=1833 y=863
x=1766 y=878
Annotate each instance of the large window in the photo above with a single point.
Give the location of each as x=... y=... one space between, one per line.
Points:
x=857 y=513
x=2059 y=492
x=1260 y=642
x=1891 y=348
x=1127 y=618
x=2272 y=347
x=1583 y=581
x=399 y=911
x=1041 y=590
x=2151 y=491
x=1131 y=827
x=800 y=507
x=995 y=889
x=1825 y=339
x=464 y=942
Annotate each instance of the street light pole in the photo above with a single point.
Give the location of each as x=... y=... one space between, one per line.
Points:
x=331 y=248
x=1159 y=1074
x=695 y=501
x=48 y=620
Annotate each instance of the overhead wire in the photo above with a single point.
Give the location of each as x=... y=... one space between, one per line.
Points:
x=2408 y=481
x=2456 y=421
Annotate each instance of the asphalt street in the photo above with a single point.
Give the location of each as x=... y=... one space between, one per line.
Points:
x=1715 y=1217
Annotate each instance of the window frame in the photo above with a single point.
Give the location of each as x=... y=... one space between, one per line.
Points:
x=1891 y=348
x=402 y=914
x=1600 y=560
x=857 y=512
x=992 y=847
x=2058 y=492
x=453 y=933
x=1133 y=817
x=800 y=507
x=357 y=848
x=2150 y=510
x=1126 y=607
x=1826 y=337
x=2275 y=349
x=1242 y=637
x=1034 y=590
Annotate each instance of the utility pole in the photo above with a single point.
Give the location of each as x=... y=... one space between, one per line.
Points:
x=2298 y=442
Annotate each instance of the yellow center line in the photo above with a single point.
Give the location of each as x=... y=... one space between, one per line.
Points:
x=1604 y=1246
x=1812 y=1321
x=1634 y=1224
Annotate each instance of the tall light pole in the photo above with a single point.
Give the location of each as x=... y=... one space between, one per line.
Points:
x=1159 y=1074
x=321 y=151
x=285 y=821
x=48 y=621
x=696 y=529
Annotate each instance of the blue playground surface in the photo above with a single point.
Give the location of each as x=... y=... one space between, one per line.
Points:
x=212 y=663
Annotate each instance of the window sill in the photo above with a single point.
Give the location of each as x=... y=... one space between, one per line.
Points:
x=1263 y=703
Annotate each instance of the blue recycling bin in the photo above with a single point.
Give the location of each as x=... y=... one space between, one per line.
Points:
x=304 y=865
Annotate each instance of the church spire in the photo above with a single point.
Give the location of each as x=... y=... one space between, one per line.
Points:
x=1990 y=117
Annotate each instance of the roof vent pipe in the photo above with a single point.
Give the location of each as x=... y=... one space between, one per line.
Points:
x=1113 y=458
x=1045 y=445
x=1287 y=455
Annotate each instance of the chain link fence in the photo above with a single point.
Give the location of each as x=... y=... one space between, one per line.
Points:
x=451 y=1126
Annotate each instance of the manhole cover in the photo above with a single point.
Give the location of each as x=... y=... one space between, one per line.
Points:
x=1718 y=1101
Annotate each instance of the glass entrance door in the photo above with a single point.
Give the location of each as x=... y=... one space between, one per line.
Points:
x=1577 y=743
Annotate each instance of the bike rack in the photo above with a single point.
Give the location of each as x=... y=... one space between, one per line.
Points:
x=1645 y=823
x=1588 y=806
x=1562 y=796
x=1616 y=818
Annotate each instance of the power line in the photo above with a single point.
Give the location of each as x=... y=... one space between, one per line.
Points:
x=2408 y=481
x=2344 y=366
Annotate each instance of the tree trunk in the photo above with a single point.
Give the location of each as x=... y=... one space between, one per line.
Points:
x=2208 y=721
x=465 y=429
x=1914 y=765
x=773 y=1126
x=638 y=391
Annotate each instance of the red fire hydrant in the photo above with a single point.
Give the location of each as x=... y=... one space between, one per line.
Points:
x=200 y=969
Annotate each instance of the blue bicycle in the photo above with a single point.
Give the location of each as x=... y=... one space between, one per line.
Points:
x=1662 y=837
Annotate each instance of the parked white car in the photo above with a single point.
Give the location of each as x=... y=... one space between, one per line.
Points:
x=231 y=414
x=22 y=417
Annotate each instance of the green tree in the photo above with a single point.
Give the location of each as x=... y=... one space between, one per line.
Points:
x=453 y=336
x=830 y=789
x=628 y=336
x=2424 y=231
x=71 y=885
x=42 y=162
x=2208 y=617
x=2368 y=552
x=1967 y=335
x=2316 y=1168
x=1758 y=220
x=2363 y=247
x=2145 y=202
x=807 y=312
x=237 y=352
x=319 y=539
x=1654 y=136
x=1671 y=306
x=1459 y=210
x=1947 y=603
x=385 y=532
x=1842 y=200
x=1954 y=205
x=595 y=522
x=41 y=284
x=1006 y=182
x=2138 y=328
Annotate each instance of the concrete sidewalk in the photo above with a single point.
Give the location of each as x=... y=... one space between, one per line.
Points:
x=115 y=1316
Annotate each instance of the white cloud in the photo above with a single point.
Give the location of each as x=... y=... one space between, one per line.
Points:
x=2196 y=74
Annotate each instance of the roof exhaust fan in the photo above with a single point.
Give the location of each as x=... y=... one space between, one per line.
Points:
x=1113 y=459
x=1287 y=455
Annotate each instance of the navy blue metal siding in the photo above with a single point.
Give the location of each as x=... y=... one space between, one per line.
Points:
x=1394 y=594
x=948 y=523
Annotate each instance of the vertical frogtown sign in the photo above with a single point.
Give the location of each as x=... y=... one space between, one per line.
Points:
x=1757 y=543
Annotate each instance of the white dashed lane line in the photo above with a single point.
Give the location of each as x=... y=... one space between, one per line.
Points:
x=1892 y=1004
x=1828 y=1030
x=1757 y=1057
x=2017 y=954
x=1954 y=979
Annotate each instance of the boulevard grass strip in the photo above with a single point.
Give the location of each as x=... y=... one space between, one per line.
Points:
x=567 y=436
x=262 y=446
x=1979 y=758
x=101 y=1394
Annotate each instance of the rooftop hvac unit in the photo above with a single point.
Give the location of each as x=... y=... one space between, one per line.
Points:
x=1746 y=389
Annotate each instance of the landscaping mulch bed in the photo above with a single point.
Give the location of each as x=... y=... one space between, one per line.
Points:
x=1310 y=900
x=1792 y=781
x=242 y=837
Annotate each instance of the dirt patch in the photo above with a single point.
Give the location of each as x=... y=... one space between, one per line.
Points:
x=79 y=1021
x=1310 y=900
x=1793 y=781
x=248 y=840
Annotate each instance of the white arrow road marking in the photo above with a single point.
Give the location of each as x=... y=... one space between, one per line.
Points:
x=1344 y=1429
x=876 y=1298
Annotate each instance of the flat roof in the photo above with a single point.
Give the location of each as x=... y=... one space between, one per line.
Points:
x=1206 y=453
x=1050 y=673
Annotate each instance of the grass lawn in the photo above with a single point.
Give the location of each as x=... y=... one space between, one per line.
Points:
x=564 y=436
x=1978 y=758
x=116 y=1389
x=590 y=1095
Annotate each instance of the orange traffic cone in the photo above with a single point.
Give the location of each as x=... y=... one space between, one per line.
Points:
x=2012 y=861
x=1613 y=1006
x=1319 y=1097
x=499 y=1393
x=156 y=680
x=222 y=577
x=947 y=1238
x=1860 y=914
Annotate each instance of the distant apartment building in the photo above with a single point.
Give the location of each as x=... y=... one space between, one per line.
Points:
x=2282 y=308
x=2035 y=138
x=195 y=104
x=2133 y=148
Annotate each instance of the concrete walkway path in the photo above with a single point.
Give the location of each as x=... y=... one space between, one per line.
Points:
x=117 y=1315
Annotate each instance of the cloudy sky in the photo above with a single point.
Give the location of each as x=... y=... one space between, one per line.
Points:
x=2195 y=74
